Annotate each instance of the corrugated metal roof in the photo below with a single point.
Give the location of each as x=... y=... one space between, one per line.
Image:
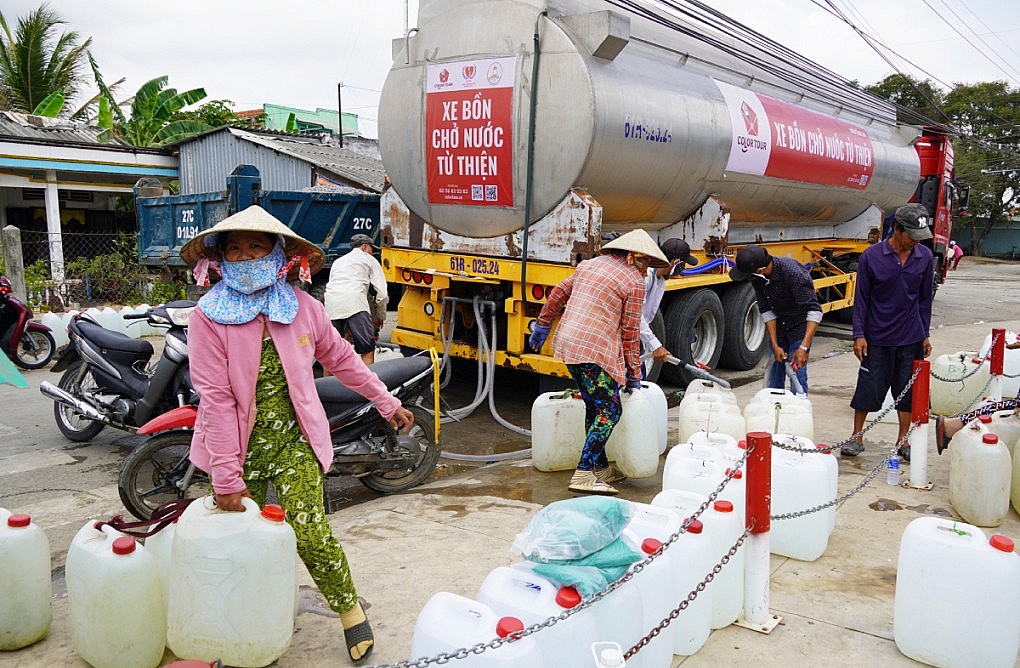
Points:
x=61 y=130
x=343 y=162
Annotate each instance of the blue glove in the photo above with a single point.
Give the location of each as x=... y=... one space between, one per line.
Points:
x=539 y=334
x=633 y=384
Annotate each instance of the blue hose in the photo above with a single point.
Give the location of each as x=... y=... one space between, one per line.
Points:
x=708 y=266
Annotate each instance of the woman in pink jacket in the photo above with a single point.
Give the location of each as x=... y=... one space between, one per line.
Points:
x=252 y=343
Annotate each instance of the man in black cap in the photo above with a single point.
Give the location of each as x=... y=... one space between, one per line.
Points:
x=892 y=318
x=356 y=296
x=678 y=252
x=789 y=307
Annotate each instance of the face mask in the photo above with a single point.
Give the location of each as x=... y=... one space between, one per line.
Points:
x=250 y=276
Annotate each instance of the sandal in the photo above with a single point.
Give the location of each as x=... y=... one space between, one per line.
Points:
x=904 y=453
x=941 y=440
x=357 y=634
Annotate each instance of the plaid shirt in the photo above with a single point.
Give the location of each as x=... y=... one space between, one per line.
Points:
x=602 y=321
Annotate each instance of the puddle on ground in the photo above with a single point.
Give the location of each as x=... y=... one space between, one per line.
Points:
x=921 y=509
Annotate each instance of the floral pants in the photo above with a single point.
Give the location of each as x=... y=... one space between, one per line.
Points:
x=279 y=453
x=602 y=410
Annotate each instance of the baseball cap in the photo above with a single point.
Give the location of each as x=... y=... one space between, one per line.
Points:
x=678 y=249
x=915 y=219
x=359 y=239
x=749 y=259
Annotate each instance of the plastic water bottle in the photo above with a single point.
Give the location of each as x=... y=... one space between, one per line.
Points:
x=892 y=471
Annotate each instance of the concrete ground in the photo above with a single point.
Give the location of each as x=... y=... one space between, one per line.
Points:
x=449 y=533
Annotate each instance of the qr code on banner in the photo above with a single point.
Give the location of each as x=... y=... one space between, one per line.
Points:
x=491 y=193
x=476 y=193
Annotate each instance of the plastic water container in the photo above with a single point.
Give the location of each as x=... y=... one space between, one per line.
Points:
x=234 y=582
x=111 y=319
x=634 y=443
x=778 y=411
x=116 y=602
x=159 y=545
x=649 y=527
x=58 y=327
x=801 y=481
x=979 y=477
x=711 y=413
x=25 y=588
x=449 y=622
x=702 y=476
x=1010 y=363
x=557 y=431
x=694 y=550
x=700 y=386
x=956 y=595
x=521 y=593
x=724 y=527
x=1006 y=425
x=729 y=447
x=660 y=408
x=617 y=615
x=953 y=396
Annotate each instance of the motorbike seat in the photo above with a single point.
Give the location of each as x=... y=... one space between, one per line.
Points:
x=104 y=338
x=392 y=372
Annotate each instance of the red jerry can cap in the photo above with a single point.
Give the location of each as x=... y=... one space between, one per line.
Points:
x=723 y=506
x=567 y=597
x=695 y=527
x=989 y=439
x=274 y=513
x=124 y=545
x=650 y=545
x=18 y=521
x=507 y=625
x=1000 y=542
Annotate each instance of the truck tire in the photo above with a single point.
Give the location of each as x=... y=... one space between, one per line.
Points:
x=694 y=330
x=744 y=336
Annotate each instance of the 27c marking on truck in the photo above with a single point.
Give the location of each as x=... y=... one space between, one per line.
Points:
x=187 y=229
x=362 y=224
x=474 y=265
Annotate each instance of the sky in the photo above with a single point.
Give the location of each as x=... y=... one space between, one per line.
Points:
x=296 y=52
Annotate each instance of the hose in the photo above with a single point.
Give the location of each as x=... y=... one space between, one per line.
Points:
x=708 y=266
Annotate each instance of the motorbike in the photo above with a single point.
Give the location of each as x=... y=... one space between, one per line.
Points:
x=29 y=344
x=109 y=378
x=364 y=444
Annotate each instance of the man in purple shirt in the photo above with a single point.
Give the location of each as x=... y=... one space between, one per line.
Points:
x=892 y=316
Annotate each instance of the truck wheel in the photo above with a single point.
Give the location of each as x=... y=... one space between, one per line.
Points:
x=744 y=338
x=694 y=328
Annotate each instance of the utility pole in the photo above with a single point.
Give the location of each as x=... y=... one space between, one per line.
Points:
x=340 y=111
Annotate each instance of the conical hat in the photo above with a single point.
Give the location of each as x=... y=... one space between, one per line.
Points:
x=253 y=219
x=639 y=241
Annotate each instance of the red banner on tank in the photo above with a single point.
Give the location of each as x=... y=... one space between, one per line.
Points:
x=807 y=146
x=784 y=141
x=468 y=132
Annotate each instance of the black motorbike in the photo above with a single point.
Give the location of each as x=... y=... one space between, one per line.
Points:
x=108 y=378
x=364 y=444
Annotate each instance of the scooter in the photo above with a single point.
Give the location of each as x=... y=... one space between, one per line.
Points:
x=29 y=344
x=364 y=444
x=108 y=378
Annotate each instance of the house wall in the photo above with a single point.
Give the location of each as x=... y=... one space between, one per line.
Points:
x=206 y=162
x=1003 y=241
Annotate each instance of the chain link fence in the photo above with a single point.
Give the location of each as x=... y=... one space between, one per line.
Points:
x=99 y=269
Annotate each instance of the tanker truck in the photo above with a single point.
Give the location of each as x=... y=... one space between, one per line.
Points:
x=519 y=134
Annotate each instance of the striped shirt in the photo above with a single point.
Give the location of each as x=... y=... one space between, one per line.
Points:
x=601 y=304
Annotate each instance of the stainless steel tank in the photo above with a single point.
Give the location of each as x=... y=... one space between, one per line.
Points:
x=650 y=119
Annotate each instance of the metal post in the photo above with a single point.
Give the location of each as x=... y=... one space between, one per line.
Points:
x=53 y=233
x=918 y=440
x=998 y=353
x=759 y=508
x=340 y=113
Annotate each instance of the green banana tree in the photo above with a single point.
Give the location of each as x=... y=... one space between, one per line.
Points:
x=154 y=115
x=35 y=63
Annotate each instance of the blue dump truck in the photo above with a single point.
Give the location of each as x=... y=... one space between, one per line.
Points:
x=328 y=219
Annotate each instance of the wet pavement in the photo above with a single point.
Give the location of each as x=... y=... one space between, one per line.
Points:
x=449 y=533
